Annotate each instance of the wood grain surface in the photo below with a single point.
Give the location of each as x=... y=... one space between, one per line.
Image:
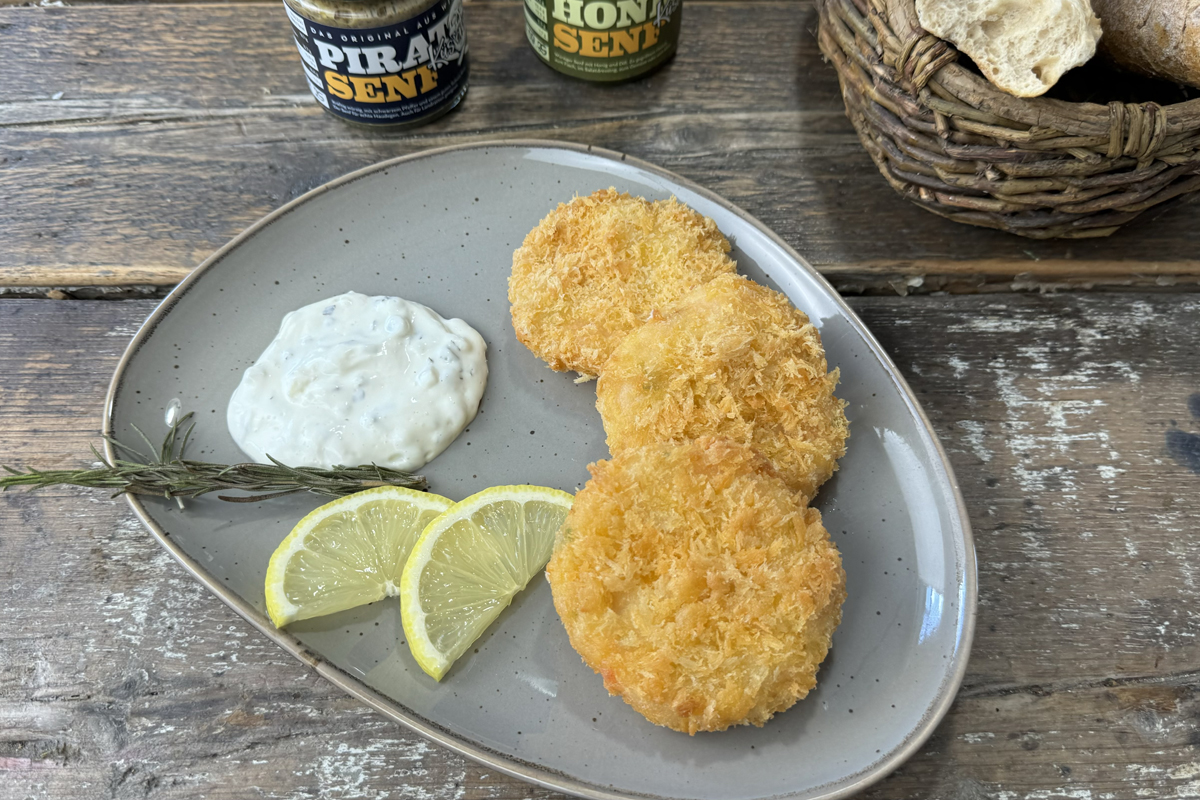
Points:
x=136 y=139
x=1072 y=420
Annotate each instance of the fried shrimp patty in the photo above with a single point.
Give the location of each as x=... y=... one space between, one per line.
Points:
x=596 y=267
x=732 y=359
x=698 y=585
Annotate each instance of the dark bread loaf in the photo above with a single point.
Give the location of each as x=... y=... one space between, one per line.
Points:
x=1160 y=38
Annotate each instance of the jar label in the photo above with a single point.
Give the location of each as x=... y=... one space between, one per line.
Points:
x=603 y=40
x=391 y=74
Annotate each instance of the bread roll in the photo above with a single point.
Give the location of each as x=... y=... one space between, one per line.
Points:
x=1022 y=46
x=1160 y=38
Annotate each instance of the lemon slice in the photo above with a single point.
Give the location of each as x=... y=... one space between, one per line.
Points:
x=470 y=563
x=347 y=553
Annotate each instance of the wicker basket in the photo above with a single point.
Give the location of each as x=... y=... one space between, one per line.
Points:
x=948 y=140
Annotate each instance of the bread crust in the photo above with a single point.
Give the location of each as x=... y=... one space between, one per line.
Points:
x=597 y=267
x=731 y=359
x=1159 y=38
x=695 y=582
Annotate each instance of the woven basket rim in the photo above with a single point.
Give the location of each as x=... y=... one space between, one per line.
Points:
x=1072 y=117
x=1054 y=112
x=950 y=141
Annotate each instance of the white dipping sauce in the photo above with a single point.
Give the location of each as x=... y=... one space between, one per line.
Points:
x=360 y=380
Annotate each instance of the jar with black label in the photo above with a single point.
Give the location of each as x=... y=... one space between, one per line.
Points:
x=603 y=40
x=382 y=63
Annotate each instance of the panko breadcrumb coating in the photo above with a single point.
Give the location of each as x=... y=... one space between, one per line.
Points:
x=596 y=267
x=731 y=359
x=698 y=585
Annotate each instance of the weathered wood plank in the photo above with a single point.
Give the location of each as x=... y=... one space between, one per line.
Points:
x=1064 y=416
x=69 y=274
x=153 y=156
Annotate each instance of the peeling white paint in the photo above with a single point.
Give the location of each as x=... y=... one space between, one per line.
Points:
x=345 y=774
x=1144 y=770
x=1062 y=793
x=1185 y=771
x=1004 y=322
x=973 y=433
x=1191 y=789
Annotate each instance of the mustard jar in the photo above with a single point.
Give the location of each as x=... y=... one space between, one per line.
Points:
x=382 y=63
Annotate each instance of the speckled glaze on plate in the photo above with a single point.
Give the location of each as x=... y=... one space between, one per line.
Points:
x=439 y=227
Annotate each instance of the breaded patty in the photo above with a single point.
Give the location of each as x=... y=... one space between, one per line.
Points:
x=596 y=267
x=732 y=359
x=698 y=585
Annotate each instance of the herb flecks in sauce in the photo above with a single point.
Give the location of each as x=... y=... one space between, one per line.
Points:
x=360 y=380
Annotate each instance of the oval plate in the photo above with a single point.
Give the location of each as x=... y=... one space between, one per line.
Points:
x=439 y=227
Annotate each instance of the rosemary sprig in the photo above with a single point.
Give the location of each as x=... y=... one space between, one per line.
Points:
x=168 y=474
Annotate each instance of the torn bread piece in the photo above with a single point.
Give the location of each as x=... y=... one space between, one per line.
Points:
x=1021 y=46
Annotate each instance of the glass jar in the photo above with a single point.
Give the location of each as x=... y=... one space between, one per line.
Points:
x=603 y=40
x=382 y=63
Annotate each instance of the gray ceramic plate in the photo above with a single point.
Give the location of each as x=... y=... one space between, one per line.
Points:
x=439 y=228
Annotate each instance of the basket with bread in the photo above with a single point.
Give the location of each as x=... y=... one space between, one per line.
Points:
x=950 y=99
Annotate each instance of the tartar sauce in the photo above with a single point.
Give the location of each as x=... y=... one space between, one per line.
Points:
x=360 y=380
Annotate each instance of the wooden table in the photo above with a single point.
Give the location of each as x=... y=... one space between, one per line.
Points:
x=135 y=139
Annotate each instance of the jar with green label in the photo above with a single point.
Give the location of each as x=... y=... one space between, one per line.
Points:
x=382 y=63
x=603 y=40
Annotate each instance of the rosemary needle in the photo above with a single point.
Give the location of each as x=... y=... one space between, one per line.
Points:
x=168 y=474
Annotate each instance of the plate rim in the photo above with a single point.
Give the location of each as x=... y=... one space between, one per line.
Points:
x=540 y=774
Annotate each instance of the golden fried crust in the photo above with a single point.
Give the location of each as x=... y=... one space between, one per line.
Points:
x=596 y=267
x=697 y=584
x=731 y=359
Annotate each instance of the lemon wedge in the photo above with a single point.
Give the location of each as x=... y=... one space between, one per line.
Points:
x=347 y=553
x=469 y=564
